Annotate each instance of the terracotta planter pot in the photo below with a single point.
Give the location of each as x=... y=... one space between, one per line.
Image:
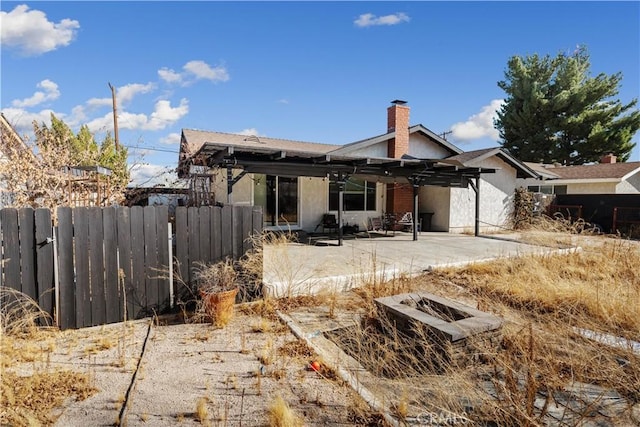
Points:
x=219 y=306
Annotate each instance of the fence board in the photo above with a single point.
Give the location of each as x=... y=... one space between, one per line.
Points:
x=66 y=284
x=126 y=293
x=162 y=227
x=215 y=237
x=226 y=235
x=182 y=246
x=247 y=229
x=26 y=234
x=81 y=258
x=236 y=233
x=96 y=267
x=138 y=271
x=44 y=259
x=151 y=259
x=11 y=248
x=204 y=214
x=110 y=235
x=194 y=238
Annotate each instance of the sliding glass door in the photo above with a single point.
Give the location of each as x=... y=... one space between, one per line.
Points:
x=278 y=196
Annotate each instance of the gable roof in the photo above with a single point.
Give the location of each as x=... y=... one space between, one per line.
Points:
x=364 y=143
x=603 y=171
x=193 y=140
x=473 y=158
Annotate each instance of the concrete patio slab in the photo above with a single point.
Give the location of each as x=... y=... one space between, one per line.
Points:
x=297 y=268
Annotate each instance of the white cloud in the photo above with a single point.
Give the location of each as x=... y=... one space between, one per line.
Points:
x=126 y=93
x=31 y=33
x=99 y=102
x=193 y=71
x=169 y=76
x=49 y=92
x=479 y=125
x=370 y=20
x=163 y=115
x=283 y=101
x=172 y=138
x=22 y=120
x=148 y=175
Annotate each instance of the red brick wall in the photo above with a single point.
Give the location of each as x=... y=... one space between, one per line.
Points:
x=398 y=120
x=399 y=198
x=399 y=195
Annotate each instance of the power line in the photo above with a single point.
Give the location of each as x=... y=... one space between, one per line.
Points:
x=166 y=150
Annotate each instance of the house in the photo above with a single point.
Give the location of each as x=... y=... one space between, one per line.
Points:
x=606 y=177
x=408 y=168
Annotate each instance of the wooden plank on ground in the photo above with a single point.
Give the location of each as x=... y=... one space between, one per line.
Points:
x=81 y=257
x=125 y=272
x=162 y=227
x=110 y=234
x=26 y=235
x=151 y=259
x=227 y=232
x=44 y=260
x=66 y=281
x=11 y=248
x=138 y=271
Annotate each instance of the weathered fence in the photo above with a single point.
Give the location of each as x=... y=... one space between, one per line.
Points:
x=103 y=265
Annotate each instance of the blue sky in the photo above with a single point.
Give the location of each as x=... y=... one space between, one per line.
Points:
x=310 y=71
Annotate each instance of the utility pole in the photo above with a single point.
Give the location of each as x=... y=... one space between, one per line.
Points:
x=115 y=116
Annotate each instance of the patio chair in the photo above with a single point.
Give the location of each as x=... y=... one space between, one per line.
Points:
x=406 y=221
x=329 y=221
x=375 y=224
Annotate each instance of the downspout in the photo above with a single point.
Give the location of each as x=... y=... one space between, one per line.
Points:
x=341 y=184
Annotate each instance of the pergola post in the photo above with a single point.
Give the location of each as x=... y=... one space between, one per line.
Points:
x=341 y=184
x=416 y=188
x=229 y=184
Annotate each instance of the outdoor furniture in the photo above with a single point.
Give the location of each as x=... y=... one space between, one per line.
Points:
x=329 y=221
x=376 y=224
x=406 y=220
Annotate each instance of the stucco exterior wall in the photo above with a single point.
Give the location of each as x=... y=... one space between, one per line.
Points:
x=630 y=185
x=592 y=188
x=421 y=147
x=496 y=200
x=436 y=200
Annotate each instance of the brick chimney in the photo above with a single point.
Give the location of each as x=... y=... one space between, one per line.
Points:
x=399 y=195
x=398 y=121
x=609 y=158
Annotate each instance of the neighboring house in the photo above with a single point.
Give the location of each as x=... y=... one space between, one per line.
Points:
x=606 y=177
x=298 y=182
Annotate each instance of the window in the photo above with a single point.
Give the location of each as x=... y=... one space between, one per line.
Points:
x=359 y=195
x=548 y=189
x=278 y=196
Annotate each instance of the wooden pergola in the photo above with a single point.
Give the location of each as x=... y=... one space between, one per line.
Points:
x=417 y=172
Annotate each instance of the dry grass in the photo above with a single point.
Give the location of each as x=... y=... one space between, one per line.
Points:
x=281 y=415
x=27 y=401
x=599 y=283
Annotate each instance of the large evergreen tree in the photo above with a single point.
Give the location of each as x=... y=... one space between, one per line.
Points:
x=555 y=112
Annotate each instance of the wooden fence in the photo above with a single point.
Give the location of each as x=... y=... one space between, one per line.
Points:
x=102 y=265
